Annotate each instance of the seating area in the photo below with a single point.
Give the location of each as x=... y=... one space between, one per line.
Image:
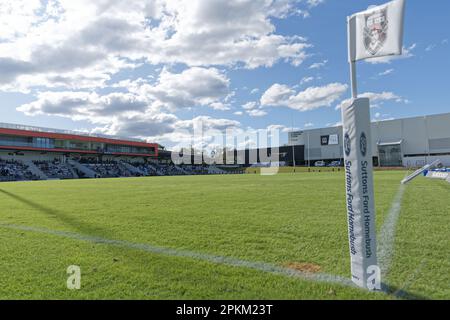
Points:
x=195 y=169
x=145 y=168
x=12 y=170
x=19 y=170
x=153 y=169
x=170 y=170
x=55 y=169
x=107 y=169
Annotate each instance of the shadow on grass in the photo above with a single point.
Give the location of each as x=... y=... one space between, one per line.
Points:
x=64 y=218
x=95 y=231
x=84 y=229
x=400 y=293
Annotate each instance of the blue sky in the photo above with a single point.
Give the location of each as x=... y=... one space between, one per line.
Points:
x=150 y=69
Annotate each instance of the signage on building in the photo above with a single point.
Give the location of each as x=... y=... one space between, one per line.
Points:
x=329 y=140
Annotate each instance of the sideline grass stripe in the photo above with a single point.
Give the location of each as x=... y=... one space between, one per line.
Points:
x=260 y=266
x=386 y=236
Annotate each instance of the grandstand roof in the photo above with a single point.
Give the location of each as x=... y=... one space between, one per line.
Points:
x=24 y=130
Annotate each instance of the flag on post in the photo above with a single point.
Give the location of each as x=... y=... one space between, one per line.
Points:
x=377 y=32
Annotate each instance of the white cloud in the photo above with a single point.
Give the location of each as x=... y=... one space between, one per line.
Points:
x=192 y=87
x=56 y=43
x=309 y=99
x=121 y=114
x=336 y=124
x=253 y=109
x=376 y=99
x=250 y=105
x=279 y=127
x=407 y=53
x=220 y=106
x=386 y=72
x=430 y=47
x=77 y=47
x=256 y=113
x=306 y=80
x=318 y=65
x=145 y=109
x=315 y=3
x=84 y=105
x=309 y=125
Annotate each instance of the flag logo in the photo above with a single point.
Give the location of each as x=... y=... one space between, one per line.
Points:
x=376 y=30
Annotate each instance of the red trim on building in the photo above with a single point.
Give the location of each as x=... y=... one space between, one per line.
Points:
x=63 y=136
x=13 y=148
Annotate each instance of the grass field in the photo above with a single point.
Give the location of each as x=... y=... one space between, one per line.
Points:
x=174 y=237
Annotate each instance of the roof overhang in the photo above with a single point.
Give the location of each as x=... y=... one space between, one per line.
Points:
x=74 y=151
x=63 y=136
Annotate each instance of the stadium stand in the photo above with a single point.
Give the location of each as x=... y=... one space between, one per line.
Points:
x=75 y=168
x=36 y=153
x=56 y=170
x=145 y=169
x=12 y=170
x=106 y=169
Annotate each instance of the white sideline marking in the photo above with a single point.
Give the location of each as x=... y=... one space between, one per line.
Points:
x=259 y=266
x=386 y=235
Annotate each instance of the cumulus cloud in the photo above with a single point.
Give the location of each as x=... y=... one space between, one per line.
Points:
x=256 y=113
x=57 y=42
x=386 y=72
x=376 y=99
x=192 y=87
x=408 y=52
x=250 y=105
x=312 y=98
x=84 y=105
x=254 y=109
x=318 y=65
x=65 y=51
x=123 y=114
x=306 y=80
x=315 y=3
x=145 y=109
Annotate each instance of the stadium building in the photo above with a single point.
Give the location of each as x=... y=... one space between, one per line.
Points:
x=34 y=153
x=409 y=142
x=43 y=143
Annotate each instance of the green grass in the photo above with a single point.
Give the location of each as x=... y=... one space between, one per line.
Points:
x=278 y=219
x=251 y=170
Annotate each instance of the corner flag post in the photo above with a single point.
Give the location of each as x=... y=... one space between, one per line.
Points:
x=353 y=80
x=376 y=32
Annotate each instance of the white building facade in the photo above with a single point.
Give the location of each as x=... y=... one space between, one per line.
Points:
x=409 y=142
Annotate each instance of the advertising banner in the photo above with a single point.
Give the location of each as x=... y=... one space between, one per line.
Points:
x=359 y=193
